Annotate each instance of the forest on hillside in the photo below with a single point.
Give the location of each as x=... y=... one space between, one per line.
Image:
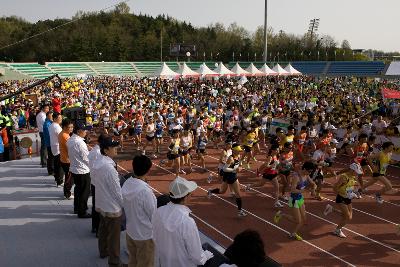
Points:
x=120 y=35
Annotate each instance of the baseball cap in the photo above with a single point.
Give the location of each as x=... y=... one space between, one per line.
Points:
x=180 y=187
x=108 y=142
x=356 y=168
x=80 y=125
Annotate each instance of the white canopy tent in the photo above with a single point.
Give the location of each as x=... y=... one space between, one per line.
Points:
x=254 y=71
x=205 y=71
x=394 y=69
x=185 y=71
x=265 y=69
x=165 y=72
x=292 y=71
x=224 y=71
x=239 y=71
x=279 y=70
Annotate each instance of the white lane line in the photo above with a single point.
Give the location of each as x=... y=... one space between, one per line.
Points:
x=192 y=214
x=262 y=219
x=361 y=211
x=330 y=222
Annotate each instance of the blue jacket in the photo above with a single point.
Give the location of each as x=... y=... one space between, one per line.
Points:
x=46 y=133
x=1 y=145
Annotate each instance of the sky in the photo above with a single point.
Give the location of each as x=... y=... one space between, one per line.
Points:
x=366 y=24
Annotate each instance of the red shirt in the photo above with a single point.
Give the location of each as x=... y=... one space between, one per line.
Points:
x=56 y=105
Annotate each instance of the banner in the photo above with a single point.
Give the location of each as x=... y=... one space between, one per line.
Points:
x=390 y=93
x=284 y=124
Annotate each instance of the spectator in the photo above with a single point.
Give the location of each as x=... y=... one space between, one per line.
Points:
x=108 y=202
x=140 y=205
x=40 y=118
x=67 y=128
x=93 y=156
x=247 y=250
x=175 y=233
x=78 y=156
x=46 y=135
x=56 y=102
x=54 y=131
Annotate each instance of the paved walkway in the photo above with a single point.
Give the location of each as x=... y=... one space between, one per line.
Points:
x=37 y=225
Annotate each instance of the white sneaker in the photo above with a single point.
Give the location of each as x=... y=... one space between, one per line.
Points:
x=339 y=233
x=328 y=209
x=247 y=188
x=241 y=213
x=278 y=204
x=209 y=194
x=379 y=199
x=285 y=198
x=183 y=172
x=154 y=156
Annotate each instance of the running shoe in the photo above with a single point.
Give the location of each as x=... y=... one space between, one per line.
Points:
x=285 y=198
x=277 y=217
x=278 y=204
x=247 y=166
x=154 y=156
x=209 y=178
x=241 y=213
x=254 y=158
x=209 y=194
x=182 y=172
x=296 y=237
x=379 y=199
x=339 y=233
x=162 y=162
x=328 y=209
x=144 y=152
x=247 y=188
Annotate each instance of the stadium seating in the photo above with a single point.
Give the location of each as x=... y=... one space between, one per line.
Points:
x=147 y=68
x=113 y=68
x=310 y=67
x=65 y=69
x=33 y=70
x=356 y=68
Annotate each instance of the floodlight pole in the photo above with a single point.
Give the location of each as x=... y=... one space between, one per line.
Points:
x=266 y=32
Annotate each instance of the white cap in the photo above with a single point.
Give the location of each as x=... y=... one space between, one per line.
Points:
x=57 y=94
x=180 y=187
x=356 y=168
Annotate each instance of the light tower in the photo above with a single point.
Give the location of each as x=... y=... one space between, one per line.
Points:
x=265 y=32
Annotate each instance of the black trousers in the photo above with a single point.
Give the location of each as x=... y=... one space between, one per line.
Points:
x=50 y=161
x=58 y=171
x=43 y=151
x=81 y=192
x=95 y=214
x=69 y=181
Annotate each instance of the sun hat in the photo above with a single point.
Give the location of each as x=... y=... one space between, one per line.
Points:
x=180 y=187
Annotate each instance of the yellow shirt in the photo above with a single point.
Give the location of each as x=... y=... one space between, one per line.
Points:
x=384 y=160
x=347 y=188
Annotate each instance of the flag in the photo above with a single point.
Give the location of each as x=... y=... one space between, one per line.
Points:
x=390 y=93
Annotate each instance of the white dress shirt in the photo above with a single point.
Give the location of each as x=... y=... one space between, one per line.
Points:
x=78 y=155
x=40 y=118
x=139 y=204
x=93 y=156
x=54 y=130
x=108 y=189
x=176 y=238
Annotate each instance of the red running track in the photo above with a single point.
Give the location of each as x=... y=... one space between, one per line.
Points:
x=371 y=235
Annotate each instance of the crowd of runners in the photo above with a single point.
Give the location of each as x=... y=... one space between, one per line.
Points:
x=299 y=126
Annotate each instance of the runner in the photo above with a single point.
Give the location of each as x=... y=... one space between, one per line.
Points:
x=186 y=147
x=230 y=179
x=201 y=149
x=173 y=154
x=160 y=127
x=380 y=161
x=285 y=167
x=300 y=180
x=344 y=188
x=150 y=136
x=269 y=172
x=360 y=151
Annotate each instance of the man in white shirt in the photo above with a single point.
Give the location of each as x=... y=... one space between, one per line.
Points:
x=380 y=125
x=175 y=233
x=54 y=130
x=140 y=205
x=79 y=168
x=40 y=118
x=108 y=201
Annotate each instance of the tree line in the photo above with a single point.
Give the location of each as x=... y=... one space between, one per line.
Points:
x=119 y=35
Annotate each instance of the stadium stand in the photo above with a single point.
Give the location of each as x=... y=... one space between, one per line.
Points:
x=113 y=68
x=147 y=68
x=69 y=69
x=33 y=70
x=310 y=68
x=356 y=68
